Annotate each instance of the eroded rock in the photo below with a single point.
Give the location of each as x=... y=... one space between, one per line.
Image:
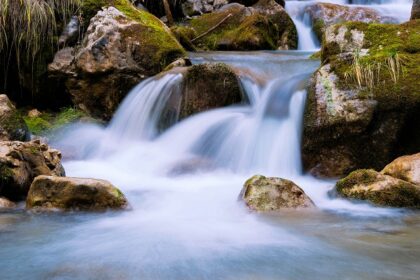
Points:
x=5 y=203
x=364 y=99
x=21 y=162
x=68 y=193
x=119 y=49
x=271 y=194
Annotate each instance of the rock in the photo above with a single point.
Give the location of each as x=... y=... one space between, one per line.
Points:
x=12 y=125
x=5 y=203
x=265 y=25
x=34 y=113
x=415 y=11
x=66 y=193
x=364 y=99
x=21 y=162
x=379 y=189
x=406 y=168
x=198 y=7
x=182 y=62
x=121 y=47
x=323 y=15
x=270 y=194
x=209 y=86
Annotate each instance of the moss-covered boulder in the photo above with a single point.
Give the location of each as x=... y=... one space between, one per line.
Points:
x=415 y=11
x=12 y=125
x=379 y=189
x=364 y=100
x=323 y=15
x=266 y=194
x=121 y=46
x=265 y=25
x=209 y=86
x=21 y=162
x=67 y=193
x=406 y=168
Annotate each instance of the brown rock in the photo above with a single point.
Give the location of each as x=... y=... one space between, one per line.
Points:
x=271 y=194
x=66 y=193
x=406 y=168
x=21 y=162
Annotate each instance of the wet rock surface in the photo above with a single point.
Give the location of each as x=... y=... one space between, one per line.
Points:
x=68 y=193
x=267 y=194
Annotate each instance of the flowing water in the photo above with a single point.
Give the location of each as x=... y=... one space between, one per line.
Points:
x=183 y=182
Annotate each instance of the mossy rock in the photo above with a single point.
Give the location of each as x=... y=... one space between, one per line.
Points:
x=266 y=194
x=209 y=86
x=68 y=193
x=12 y=125
x=379 y=189
x=47 y=122
x=122 y=46
x=363 y=138
x=265 y=25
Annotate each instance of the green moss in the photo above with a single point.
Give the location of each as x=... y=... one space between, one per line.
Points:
x=238 y=31
x=49 y=121
x=318 y=27
x=361 y=176
x=156 y=39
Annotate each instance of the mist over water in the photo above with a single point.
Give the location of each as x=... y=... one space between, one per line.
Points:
x=183 y=183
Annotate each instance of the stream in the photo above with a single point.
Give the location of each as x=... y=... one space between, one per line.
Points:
x=185 y=220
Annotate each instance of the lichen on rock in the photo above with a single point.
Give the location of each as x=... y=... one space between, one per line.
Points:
x=266 y=194
x=364 y=98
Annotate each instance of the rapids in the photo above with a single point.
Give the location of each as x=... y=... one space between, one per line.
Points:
x=183 y=183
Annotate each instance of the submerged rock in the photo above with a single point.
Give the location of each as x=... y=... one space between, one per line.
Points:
x=363 y=102
x=406 y=168
x=21 y=162
x=323 y=15
x=12 y=125
x=209 y=86
x=66 y=193
x=5 y=203
x=270 y=194
x=121 y=46
x=265 y=25
x=379 y=189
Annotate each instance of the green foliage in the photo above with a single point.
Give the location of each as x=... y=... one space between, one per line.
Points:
x=48 y=122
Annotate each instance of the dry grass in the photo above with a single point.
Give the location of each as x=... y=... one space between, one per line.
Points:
x=28 y=26
x=369 y=74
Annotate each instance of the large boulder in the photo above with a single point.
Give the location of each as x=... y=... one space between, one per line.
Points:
x=379 y=189
x=363 y=102
x=12 y=125
x=66 y=193
x=21 y=162
x=406 y=168
x=209 y=86
x=323 y=15
x=415 y=11
x=121 y=47
x=265 y=25
x=271 y=194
